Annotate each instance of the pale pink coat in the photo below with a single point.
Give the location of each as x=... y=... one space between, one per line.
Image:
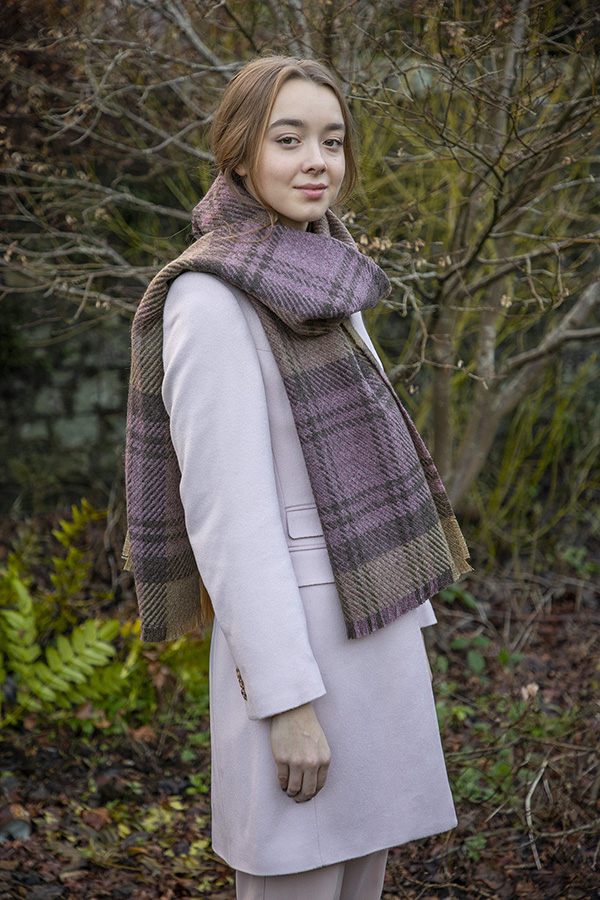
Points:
x=256 y=534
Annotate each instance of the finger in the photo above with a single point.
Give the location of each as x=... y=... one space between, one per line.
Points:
x=294 y=786
x=312 y=787
x=283 y=774
x=322 y=776
x=309 y=785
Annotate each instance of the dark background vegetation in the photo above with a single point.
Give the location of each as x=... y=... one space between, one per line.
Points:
x=479 y=150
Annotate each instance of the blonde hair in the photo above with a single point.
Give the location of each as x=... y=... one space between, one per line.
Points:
x=240 y=123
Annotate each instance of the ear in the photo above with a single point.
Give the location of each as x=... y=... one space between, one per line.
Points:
x=242 y=171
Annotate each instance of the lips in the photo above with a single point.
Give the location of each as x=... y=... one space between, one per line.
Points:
x=312 y=191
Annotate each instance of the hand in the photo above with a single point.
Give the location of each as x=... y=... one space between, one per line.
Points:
x=301 y=752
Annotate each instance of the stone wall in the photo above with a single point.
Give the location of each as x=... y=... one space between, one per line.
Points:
x=63 y=413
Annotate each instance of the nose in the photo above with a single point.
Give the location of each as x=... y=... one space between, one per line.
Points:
x=314 y=160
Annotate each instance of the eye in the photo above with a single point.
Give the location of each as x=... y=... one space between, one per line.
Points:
x=334 y=143
x=287 y=141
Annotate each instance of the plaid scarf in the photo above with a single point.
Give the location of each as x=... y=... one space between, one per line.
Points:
x=390 y=532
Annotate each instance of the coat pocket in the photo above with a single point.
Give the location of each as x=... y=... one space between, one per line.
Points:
x=303 y=523
x=308 y=551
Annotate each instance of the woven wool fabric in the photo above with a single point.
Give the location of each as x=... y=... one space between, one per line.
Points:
x=392 y=538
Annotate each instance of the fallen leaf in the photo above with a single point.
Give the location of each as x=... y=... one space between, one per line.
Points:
x=72 y=874
x=530 y=691
x=8 y=865
x=145 y=733
x=493 y=878
x=85 y=712
x=96 y=818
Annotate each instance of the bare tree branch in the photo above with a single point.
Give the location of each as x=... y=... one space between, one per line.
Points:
x=107 y=194
x=570 y=324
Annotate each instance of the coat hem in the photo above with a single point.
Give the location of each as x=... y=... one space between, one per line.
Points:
x=334 y=858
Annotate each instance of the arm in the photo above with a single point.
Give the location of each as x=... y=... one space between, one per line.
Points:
x=214 y=394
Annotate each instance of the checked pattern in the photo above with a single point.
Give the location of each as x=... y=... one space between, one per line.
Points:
x=391 y=534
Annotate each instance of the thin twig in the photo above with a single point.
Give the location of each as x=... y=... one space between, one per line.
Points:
x=528 y=815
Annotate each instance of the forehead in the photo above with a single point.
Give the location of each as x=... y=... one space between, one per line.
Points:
x=313 y=103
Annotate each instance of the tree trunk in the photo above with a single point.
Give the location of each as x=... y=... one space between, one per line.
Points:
x=443 y=352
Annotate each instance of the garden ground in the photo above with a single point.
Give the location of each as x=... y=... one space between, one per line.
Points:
x=123 y=811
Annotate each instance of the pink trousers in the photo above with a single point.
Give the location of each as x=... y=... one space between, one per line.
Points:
x=354 y=879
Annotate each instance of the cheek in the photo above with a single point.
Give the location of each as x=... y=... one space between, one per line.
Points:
x=340 y=170
x=269 y=170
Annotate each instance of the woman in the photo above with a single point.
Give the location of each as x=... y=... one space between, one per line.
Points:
x=267 y=451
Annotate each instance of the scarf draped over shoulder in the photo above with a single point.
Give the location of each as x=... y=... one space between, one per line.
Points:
x=392 y=538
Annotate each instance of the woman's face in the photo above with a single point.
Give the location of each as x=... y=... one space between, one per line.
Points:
x=301 y=163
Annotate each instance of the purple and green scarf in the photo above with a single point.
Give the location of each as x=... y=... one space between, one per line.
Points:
x=392 y=538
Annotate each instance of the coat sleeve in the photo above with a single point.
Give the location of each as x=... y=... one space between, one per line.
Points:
x=215 y=397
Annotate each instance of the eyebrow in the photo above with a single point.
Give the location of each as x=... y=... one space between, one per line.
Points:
x=298 y=123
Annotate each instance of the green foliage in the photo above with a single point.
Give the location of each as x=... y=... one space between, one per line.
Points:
x=473 y=645
x=499 y=729
x=498 y=738
x=58 y=660
x=576 y=558
x=70 y=573
x=199 y=783
x=501 y=743
x=508 y=659
x=474 y=845
x=537 y=496
x=73 y=670
x=458 y=592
